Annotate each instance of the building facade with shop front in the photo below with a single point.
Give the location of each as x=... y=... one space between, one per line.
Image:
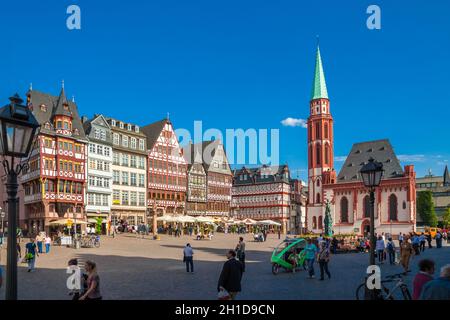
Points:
x=54 y=184
x=129 y=168
x=99 y=168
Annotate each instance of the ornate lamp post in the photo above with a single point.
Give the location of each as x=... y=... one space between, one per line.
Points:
x=371 y=174
x=17 y=129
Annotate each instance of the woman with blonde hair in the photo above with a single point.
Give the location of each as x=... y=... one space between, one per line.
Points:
x=93 y=282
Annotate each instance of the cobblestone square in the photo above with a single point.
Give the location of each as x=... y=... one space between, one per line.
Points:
x=133 y=268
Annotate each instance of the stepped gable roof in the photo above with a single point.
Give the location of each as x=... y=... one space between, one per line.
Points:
x=380 y=150
x=45 y=114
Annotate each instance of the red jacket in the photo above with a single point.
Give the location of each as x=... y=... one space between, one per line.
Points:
x=419 y=281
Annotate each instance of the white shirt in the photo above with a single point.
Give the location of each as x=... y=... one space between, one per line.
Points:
x=188 y=252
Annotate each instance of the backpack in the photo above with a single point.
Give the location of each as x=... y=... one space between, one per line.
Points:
x=390 y=246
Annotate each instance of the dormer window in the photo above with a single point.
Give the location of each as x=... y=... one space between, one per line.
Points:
x=121 y=125
x=350 y=164
x=136 y=129
x=388 y=160
x=47 y=125
x=76 y=132
x=358 y=151
x=129 y=127
x=43 y=108
x=370 y=150
x=113 y=122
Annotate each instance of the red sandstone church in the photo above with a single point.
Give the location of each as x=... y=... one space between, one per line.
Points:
x=395 y=200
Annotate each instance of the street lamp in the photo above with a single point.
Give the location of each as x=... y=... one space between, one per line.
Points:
x=371 y=174
x=17 y=129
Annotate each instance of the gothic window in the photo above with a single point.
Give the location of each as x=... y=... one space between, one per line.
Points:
x=366 y=206
x=320 y=222
x=392 y=207
x=318 y=151
x=310 y=131
x=318 y=198
x=314 y=226
x=317 y=132
x=311 y=155
x=404 y=205
x=344 y=210
x=327 y=153
x=326 y=130
x=318 y=183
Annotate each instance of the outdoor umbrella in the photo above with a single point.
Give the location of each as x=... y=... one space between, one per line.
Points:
x=249 y=221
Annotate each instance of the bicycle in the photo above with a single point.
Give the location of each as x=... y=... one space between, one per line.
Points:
x=399 y=291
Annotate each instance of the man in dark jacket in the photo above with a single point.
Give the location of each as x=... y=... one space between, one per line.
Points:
x=231 y=275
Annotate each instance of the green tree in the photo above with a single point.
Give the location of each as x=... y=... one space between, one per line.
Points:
x=425 y=208
x=446 y=218
x=98 y=226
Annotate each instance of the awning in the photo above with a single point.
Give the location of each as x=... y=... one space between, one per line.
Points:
x=269 y=223
x=62 y=222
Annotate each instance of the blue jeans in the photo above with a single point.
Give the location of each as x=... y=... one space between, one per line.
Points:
x=39 y=245
x=47 y=247
x=310 y=267
x=31 y=263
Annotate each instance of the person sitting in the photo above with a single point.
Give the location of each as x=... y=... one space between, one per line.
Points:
x=292 y=258
x=199 y=236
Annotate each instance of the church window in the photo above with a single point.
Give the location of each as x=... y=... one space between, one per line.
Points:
x=366 y=206
x=317 y=132
x=320 y=222
x=344 y=210
x=404 y=205
x=327 y=154
x=318 y=183
x=318 y=151
x=392 y=207
x=314 y=223
x=326 y=130
x=318 y=198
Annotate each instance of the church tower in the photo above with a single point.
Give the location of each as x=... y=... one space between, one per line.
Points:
x=320 y=149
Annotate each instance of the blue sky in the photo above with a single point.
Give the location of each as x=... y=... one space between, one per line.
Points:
x=245 y=64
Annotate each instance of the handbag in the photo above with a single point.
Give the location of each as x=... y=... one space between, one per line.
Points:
x=184 y=258
x=223 y=295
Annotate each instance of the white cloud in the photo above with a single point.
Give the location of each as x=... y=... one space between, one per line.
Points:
x=412 y=157
x=292 y=122
x=340 y=158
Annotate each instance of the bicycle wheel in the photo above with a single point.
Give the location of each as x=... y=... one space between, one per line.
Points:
x=275 y=268
x=405 y=292
x=97 y=244
x=361 y=292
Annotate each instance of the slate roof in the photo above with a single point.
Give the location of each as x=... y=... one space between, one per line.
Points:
x=380 y=150
x=446 y=177
x=274 y=174
x=153 y=131
x=53 y=106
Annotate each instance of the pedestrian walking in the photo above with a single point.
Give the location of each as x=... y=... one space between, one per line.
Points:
x=438 y=289
x=77 y=292
x=426 y=272
x=30 y=254
x=39 y=241
x=380 y=247
x=422 y=240
x=400 y=238
x=438 y=240
x=93 y=282
x=416 y=244
x=48 y=242
x=391 y=250
x=279 y=234
x=231 y=276
x=324 y=259
x=240 y=252
x=188 y=258
x=406 y=251
x=334 y=245
x=429 y=239
x=311 y=253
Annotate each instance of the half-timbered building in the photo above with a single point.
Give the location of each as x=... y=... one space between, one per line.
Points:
x=196 y=194
x=263 y=193
x=166 y=174
x=54 y=184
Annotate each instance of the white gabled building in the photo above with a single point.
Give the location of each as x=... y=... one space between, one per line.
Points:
x=99 y=168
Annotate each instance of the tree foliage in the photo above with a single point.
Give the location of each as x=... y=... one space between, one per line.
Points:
x=425 y=208
x=446 y=218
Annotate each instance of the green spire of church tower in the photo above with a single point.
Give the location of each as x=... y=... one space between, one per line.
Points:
x=319 y=89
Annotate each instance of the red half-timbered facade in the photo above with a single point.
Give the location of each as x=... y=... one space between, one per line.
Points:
x=54 y=184
x=166 y=169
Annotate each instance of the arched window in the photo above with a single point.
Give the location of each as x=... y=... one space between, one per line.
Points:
x=344 y=210
x=393 y=207
x=318 y=151
x=318 y=198
x=317 y=131
x=314 y=226
x=310 y=131
x=318 y=183
x=320 y=222
x=311 y=153
x=327 y=152
x=366 y=207
x=325 y=128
